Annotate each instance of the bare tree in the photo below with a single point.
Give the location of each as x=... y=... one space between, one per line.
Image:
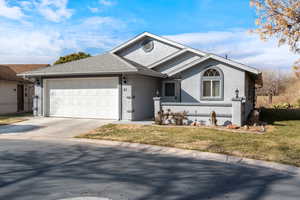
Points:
x=275 y=83
x=281 y=19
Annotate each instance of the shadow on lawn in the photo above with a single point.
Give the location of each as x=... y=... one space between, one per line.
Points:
x=70 y=171
x=271 y=115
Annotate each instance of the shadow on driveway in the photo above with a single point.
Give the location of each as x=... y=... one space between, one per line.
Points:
x=36 y=170
x=13 y=128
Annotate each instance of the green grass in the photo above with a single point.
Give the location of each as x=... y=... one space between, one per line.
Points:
x=13 y=118
x=282 y=144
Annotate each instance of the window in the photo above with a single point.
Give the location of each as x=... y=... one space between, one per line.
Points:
x=211 y=84
x=147 y=45
x=169 y=89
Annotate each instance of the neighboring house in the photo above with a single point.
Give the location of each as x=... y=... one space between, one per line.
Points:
x=121 y=84
x=16 y=93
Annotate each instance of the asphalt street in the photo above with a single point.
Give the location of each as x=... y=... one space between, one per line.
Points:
x=40 y=170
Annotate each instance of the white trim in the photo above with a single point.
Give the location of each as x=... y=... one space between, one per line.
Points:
x=146 y=34
x=165 y=59
x=196 y=51
x=218 y=58
x=185 y=48
x=211 y=79
x=191 y=64
x=176 y=90
x=236 y=64
x=211 y=89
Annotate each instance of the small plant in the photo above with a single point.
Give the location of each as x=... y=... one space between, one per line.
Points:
x=179 y=117
x=167 y=117
x=159 y=118
x=298 y=103
x=213 y=118
x=282 y=106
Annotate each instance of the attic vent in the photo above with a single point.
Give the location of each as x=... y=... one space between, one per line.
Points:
x=147 y=45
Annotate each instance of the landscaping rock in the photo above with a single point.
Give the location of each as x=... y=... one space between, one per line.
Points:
x=232 y=126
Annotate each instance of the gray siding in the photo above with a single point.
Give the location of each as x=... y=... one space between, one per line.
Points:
x=201 y=112
x=137 y=54
x=8 y=97
x=144 y=89
x=177 y=62
x=191 y=82
x=127 y=98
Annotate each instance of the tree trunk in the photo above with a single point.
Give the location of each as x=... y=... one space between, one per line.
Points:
x=270 y=98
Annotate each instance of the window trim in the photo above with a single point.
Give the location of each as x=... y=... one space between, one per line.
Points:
x=221 y=79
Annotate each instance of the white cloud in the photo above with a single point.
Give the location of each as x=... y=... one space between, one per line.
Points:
x=242 y=46
x=54 y=10
x=11 y=12
x=43 y=44
x=102 y=4
x=107 y=2
x=96 y=22
x=94 y=9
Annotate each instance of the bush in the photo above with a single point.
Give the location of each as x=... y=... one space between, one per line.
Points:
x=298 y=103
x=282 y=106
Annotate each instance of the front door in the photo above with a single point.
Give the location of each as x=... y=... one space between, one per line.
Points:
x=20 y=98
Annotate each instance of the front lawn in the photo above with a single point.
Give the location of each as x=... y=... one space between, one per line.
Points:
x=282 y=144
x=13 y=118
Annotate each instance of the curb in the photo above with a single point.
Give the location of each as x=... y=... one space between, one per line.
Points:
x=153 y=149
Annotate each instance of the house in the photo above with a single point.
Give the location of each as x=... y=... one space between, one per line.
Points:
x=124 y=83
x=16 y=93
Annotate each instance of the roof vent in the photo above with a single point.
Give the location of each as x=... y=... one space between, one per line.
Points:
x=147 y=45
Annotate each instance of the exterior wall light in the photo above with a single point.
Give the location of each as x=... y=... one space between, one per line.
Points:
x=237 y=93
x=38 y=82
x=124 y=79
x=157 y=93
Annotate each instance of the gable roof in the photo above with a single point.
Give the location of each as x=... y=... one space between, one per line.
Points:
x=156 y=37
x=111 y=63
x=184 y=49
x=9 y=72
x=220 y=59
x=106 y=63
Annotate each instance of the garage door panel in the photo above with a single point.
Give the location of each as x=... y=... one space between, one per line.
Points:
x=86 y=98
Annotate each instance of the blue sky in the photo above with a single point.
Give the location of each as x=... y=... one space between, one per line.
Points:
x=39 y=31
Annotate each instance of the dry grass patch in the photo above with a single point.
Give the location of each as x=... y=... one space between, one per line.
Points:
x=11 y=119
x=282 y=144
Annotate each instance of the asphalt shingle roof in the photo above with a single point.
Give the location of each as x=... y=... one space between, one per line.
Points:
x=9 y=71
x=107 y=63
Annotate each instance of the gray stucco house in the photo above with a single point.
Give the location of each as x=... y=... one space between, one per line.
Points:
x=123 y=84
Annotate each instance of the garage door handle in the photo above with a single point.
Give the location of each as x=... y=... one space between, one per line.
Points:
x=130 y=97
x=130 y=111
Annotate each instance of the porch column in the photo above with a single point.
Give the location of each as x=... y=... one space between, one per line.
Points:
x=157 y=106
x=37 y=98
x=237 y=111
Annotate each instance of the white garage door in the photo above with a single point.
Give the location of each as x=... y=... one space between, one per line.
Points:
x=83 y=97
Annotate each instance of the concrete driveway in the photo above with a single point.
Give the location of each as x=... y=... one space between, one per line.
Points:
x=51 y=128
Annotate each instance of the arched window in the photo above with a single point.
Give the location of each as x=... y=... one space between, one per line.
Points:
x=212 y=80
